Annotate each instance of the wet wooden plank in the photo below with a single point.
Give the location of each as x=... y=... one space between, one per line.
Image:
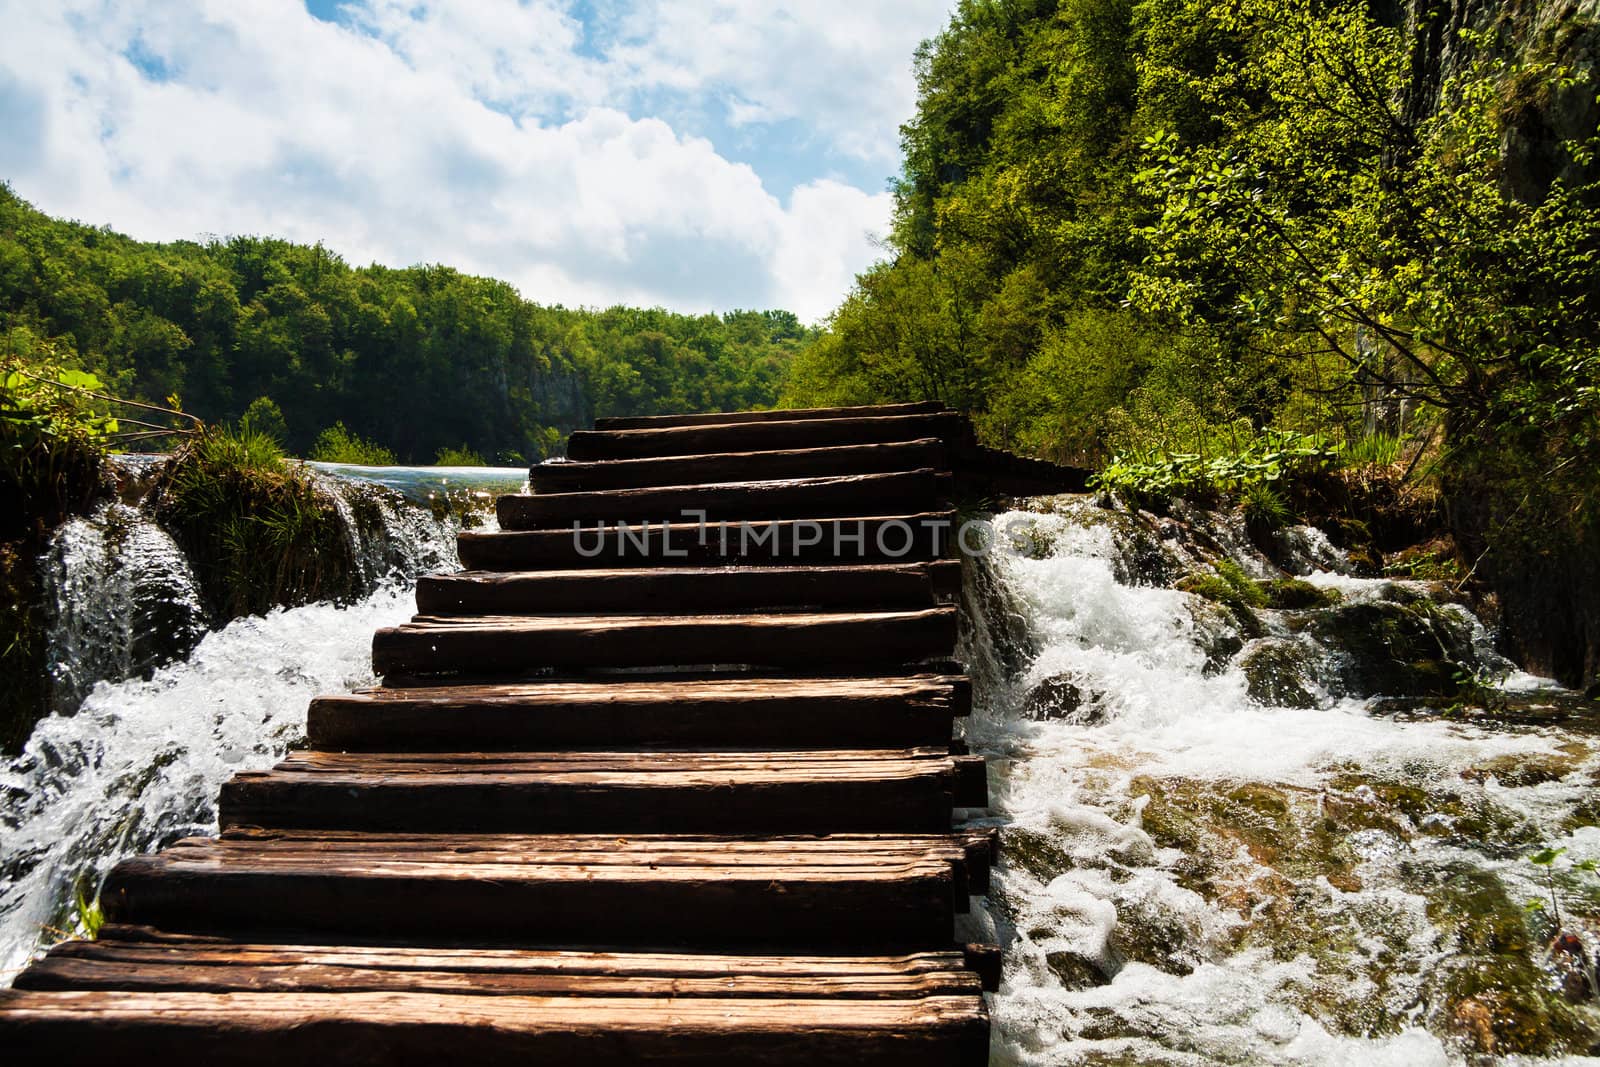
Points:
x=645 y=422
x=729 y=712
x=483 y=972
x=590 y=445
x=909 y=538
x=615 y=792
x=564 y=476
x=679 y=590
x=792 y=498
x=525 y=644
x=114 y=1027
x=867 y=892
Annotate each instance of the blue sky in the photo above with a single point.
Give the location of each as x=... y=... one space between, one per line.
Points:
x=701 y=154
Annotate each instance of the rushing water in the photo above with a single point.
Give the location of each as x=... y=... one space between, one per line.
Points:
x=1204 y=861
x=1191 y=875
x=136 y=750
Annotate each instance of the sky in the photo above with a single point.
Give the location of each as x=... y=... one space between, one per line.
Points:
x=702 y=155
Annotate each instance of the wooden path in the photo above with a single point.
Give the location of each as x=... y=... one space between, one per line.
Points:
x=680 y=792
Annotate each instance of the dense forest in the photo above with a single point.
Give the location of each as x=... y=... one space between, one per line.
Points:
x=417 y=360
x=1179 y=237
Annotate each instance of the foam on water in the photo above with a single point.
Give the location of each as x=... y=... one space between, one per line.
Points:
x=141 y=762
x=1134 y=654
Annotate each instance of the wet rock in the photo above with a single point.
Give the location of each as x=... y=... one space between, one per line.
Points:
x=1061 y=696
x=1217 y=633
x=1490 y=990
x=1280 y=672
x=1386 y=648
x=1034 y=852
x=1521 y=770
x=1076 y=970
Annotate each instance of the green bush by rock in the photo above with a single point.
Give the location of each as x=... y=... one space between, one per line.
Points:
x=256 y=529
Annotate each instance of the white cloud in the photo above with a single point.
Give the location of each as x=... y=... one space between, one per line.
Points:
x=489 y=136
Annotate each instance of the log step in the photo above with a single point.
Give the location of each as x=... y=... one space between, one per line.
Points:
x=160 y=963
x=564 y=476
x=590 y=445
x=730 y=712
x=903 y=790
x=718 y=418
x=856 y=892
x=428 y=1029
x=905 y=538
x=678 y=590
x=788 y=498
x=518 y=645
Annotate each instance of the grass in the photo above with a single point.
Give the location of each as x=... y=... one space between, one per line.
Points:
x=256 y=529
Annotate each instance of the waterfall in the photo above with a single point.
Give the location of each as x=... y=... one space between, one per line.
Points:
x=1193 y=872
x=152 y=713
x=123 y=601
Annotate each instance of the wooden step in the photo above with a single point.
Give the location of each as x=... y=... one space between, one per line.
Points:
x=883 y=791
x=719 y=418
x=428 y=1029
x=589 y=445
x=781 y=542
x=564 y=476
x=522 y=645
x=855 y=892
x=791 y=498
x=156 y=961
x=679 y=590
x=732 y=712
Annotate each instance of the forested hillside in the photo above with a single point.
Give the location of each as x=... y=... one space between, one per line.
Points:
x=417 y=359
x=1175 y=233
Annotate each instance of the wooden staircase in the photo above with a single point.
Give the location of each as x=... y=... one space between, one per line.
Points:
x=665 y=775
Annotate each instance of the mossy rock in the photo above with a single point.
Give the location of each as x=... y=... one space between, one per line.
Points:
x=1033 y=851
x=1294 y=594
x=1228 y=586
x=1493 y=993
x=1280 y=673
x=1390 y=649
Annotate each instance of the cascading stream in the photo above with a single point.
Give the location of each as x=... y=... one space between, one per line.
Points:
x=135 y=752
x=1194 y=874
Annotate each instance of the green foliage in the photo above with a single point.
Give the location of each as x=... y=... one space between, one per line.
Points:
x=1374 y=450
x=337 y=444
x=1148 y=229
x=1253 y=463
x=53 y=440
x=461 y=456
x=417 y=359
x=253 y=525
x=264 y=417
x=88 y=915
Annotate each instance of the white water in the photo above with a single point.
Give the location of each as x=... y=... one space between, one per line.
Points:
x=1151 y=710
x=141 y=762
x=118 y=581
x=127 y=764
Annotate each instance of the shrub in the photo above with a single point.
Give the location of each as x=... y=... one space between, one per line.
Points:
x=1267 y=459
x=263 y=416
x=457 y=457
x=337 y=444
